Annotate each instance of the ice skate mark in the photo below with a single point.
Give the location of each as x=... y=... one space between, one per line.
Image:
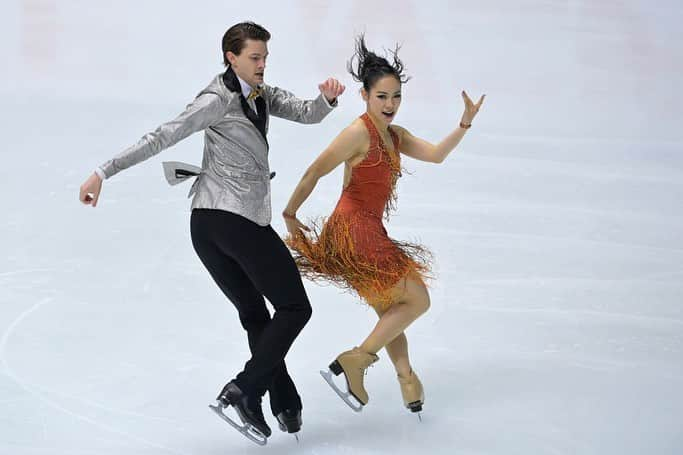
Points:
x=9 y=401
x=11 y=328
x=540 y=281
x=605 y=314
x=578 y=140
x=32 y=390
x=600 y=365
x=550 y=238
x=20 y=272
x=660 y=275
x=515 y=206
x=102 y=407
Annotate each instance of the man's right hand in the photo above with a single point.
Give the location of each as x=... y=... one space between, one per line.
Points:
x=90 y=190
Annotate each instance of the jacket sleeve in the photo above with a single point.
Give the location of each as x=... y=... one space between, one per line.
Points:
x=285 y=105
x=205 y=110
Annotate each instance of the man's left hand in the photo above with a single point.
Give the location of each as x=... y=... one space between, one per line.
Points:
x=331 y=89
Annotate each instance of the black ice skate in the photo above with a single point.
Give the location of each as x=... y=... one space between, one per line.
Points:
x=290 y=421
x=254 y=426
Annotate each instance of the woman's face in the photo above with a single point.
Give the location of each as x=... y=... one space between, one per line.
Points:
x=384 y=99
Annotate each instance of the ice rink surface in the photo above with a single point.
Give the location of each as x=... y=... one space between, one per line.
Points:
x=556 y=324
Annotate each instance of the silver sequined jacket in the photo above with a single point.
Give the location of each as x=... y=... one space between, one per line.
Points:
x=235 y=172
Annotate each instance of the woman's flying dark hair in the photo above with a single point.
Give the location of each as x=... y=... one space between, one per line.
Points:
x=367 y=67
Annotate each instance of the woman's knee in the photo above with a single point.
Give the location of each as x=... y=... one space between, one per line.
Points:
x=419 y=296
x=425 y=303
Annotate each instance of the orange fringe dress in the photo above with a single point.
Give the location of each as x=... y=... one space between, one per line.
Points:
x=353 y=250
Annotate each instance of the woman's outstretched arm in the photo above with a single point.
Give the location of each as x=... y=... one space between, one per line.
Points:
x=422 y=150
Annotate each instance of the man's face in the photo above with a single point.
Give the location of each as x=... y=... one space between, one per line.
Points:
x=250 y=64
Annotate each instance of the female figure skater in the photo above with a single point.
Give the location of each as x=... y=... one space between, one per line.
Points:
x=352 y=249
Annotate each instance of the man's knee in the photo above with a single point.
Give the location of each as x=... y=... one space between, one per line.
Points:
x=254 y=317
x=307 y=312
x=300 y=311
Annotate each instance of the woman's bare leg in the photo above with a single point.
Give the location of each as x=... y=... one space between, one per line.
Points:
x=411 y=301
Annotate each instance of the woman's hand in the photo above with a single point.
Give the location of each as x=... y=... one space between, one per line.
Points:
x=294 y=226
x=471 y=109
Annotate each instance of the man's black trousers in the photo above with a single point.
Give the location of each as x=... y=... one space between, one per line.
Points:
x=250 y=262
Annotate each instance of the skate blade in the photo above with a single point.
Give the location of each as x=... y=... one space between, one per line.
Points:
x=348 y=398
x=247 y=430
x=295 y=434
x=416 y=408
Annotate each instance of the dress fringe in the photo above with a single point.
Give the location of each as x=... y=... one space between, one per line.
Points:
x=328 y=253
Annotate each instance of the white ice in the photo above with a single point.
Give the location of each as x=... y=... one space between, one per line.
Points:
x=556 y=324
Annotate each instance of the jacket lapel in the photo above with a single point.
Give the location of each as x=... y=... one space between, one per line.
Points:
x=259 y=118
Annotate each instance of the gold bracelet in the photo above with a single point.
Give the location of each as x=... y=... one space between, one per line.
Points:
x=462 y=125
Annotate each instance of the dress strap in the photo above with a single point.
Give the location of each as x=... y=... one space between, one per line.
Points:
x=372 y=130
x=394 y=138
